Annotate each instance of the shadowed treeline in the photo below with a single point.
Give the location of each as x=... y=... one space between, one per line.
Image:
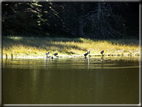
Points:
x=97 y=20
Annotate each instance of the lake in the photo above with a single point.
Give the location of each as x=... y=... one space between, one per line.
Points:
x=75 y=80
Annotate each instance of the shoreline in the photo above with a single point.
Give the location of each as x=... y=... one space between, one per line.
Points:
x=34 y=47
x=72 y=56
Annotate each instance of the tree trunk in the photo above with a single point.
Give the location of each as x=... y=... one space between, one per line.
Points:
x=98 y=20
x=99 y=11
x=80 y=31
x=80 y=23
x=74 y=27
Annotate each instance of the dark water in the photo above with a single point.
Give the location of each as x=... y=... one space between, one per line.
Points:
x=111 y=80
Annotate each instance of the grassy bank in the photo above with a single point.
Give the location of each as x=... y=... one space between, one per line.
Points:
x=37 y=47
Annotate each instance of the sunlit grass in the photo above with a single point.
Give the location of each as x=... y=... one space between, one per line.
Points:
x=30 y=46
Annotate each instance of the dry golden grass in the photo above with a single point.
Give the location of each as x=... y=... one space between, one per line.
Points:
x=30 y=46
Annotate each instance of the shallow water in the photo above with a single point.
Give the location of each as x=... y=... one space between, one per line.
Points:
x=95 y=80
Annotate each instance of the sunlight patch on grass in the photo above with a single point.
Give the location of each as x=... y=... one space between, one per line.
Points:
x=15 y=38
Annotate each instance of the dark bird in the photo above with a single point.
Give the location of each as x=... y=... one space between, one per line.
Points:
x=47 y=54
x=55 y=54
x=88 y=52
x=102 y=52
x=52 y=57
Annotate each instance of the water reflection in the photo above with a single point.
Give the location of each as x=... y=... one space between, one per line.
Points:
x=74 y=63
x=65 y=81
x=88 y=63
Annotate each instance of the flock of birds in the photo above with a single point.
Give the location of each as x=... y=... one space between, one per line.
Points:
x=55 y=54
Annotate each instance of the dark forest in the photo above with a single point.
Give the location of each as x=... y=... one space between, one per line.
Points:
x=95 y=20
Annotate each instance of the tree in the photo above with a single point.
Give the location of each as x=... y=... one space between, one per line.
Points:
x=102 y=20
